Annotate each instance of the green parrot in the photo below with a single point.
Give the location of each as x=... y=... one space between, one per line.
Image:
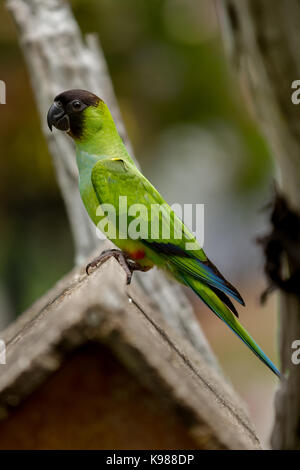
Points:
x=106 y=172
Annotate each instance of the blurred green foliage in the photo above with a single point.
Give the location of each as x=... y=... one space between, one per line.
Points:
x=167 y=66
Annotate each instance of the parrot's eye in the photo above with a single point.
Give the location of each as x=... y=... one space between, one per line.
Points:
x=76 y=104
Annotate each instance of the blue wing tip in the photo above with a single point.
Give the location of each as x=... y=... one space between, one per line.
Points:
x=272 y=367
x=277 y=372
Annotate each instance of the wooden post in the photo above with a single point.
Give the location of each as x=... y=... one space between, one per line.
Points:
x=262 y=39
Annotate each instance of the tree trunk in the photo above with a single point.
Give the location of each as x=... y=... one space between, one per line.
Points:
x=58 y=59
x=262 y=38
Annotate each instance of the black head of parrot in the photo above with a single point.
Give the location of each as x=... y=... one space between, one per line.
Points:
x=66 y=111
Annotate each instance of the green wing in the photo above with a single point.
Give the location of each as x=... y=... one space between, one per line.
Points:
x=112 y=178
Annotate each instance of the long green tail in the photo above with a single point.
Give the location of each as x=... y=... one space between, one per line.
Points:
x=217 y=306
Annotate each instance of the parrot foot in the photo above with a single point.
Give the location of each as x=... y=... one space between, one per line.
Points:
x=123 y=259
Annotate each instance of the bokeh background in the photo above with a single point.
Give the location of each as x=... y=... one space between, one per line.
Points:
x=192 y=131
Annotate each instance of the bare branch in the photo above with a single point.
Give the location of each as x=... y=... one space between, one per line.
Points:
x=58 y=59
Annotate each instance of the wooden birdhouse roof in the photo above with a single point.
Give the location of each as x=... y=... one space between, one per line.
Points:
x=97 y=320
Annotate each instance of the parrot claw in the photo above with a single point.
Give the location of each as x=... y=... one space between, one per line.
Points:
x=123 y=260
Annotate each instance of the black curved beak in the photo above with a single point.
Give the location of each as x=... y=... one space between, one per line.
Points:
x=58 y=118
